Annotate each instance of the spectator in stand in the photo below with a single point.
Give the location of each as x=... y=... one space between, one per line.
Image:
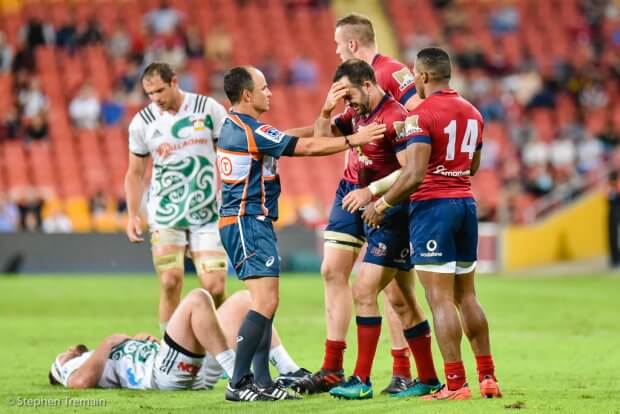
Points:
x=303 y=72
x=187 y=81
x=66 y=35
x=24 y=60
x=90 y=33
x=130 y=81
x=57 y=222
x=37 y=128
x=271 y=69
x=219 y=45
x=31 y=100
x=9 y=214
x=590 y=154
x=163 y=20
x=119 y=42
x=98 y=204
x=193 y=44
x=30 y=204
x=35 y=32
x=11 y=127
x=6 y=54
x=85 y=108
x=113 y=107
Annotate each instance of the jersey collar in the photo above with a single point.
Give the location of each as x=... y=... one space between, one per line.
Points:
x=374 y=59
x=445 y=91
x=382 y=102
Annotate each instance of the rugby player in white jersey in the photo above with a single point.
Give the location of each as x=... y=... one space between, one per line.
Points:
x=179 y=361
x=178 y=130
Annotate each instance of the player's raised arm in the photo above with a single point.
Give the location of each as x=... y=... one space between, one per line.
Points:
x=324 y=125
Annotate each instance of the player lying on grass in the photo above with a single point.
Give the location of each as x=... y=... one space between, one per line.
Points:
x=179 y=361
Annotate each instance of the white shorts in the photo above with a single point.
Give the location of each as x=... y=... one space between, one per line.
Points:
x=206 y=238
x=178 y=369
x=457 y=268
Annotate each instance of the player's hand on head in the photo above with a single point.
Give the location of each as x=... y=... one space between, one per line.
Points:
x=134 y=229
x=356 y=199
x=368 y=133
x=371 y=217
x=337 y=92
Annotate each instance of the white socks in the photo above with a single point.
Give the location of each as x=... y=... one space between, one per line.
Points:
x=226 y=359
x=280 y=359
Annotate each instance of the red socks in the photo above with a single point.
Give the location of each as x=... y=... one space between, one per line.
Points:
x=368 y=332
x=401 y=366
x=334 y=354
x=485 y=366
x=419 y=340
x=455 y=374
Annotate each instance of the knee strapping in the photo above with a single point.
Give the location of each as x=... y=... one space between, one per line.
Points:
x=168 y=261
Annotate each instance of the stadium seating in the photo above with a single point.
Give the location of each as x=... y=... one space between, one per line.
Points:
x=77 y=163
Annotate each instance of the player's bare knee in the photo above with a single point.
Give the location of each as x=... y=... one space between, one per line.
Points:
x=171 y=281
x=364 y=294
x=267 y=305
x=333 y=276
x=200 y=298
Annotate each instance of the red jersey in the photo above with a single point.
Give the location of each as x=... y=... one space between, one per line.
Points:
x=378 y=158
x=453 y=128
x=395 y=79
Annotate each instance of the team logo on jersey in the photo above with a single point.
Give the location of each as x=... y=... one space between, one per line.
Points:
x=399 y=128
x=404 y=77
x=183 y=128
x=225 y=166
x=270 y=133
x=411 y=125
x=431 y=245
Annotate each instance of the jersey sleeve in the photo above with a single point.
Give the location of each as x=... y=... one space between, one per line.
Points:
x=344 y=121
x=219 y=114
x=417 y=128
x=401 y=84
x=137 y=137
x=271 y=141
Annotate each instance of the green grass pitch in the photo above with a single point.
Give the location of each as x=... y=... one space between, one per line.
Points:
x=555 y=342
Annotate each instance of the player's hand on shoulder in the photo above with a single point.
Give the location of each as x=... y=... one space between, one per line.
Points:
x=356 y=199
x=337 y=92
x=368 y=133
x=371 y=217
x=134 y=229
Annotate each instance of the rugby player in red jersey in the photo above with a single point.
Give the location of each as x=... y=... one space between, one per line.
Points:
x=443 y=150
x=344 y=235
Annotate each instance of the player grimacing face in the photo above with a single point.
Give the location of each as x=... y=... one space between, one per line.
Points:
x=160 y=92
x=343 y=44
x=357 y=96
x=261 y=93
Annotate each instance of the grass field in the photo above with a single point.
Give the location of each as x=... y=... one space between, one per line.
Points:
x=555 y=343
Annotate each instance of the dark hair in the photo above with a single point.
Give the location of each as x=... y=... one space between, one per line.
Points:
x=361 y=29
x=236 y=80
x=164 y=70
x=52 y=379
x=356 y=70
x=436 y=62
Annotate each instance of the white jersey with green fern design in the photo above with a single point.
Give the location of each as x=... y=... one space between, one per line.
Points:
x=183 y=189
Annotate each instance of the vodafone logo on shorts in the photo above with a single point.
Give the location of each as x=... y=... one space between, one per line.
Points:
x=431 y=246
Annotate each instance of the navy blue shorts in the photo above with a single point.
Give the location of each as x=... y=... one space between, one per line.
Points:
x=251 y=246
x=388 y=246
x=444 y=234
